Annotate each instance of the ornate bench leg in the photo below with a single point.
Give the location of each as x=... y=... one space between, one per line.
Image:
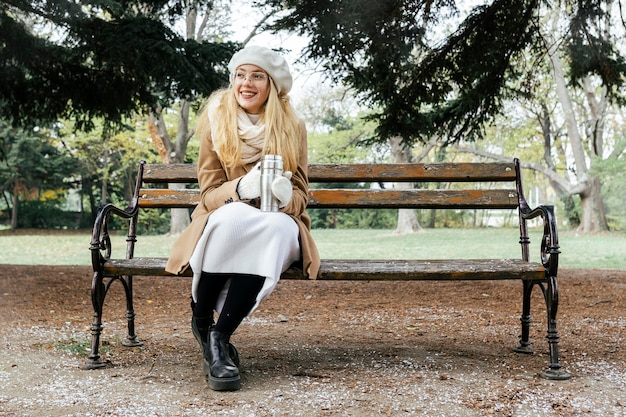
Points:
x=551 y=295
x=131 y=338
x=524 y=340
x=98 y=292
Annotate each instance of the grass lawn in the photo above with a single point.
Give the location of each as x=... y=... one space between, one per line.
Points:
x=606 y=251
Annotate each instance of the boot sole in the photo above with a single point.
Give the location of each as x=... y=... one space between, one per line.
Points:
x=224 y=384
x=220 y=384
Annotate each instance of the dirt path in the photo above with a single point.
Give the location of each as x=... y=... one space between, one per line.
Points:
x=314 y=349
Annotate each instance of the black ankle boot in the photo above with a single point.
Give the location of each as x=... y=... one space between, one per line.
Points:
x=221 y=372
x=200 y=328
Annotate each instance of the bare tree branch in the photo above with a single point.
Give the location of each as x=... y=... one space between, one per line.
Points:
x=256 y=27
x=551 y=175
x=618 y=150
x=426 y=149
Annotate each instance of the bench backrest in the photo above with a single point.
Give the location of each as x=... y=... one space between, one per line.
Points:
x=491 y=185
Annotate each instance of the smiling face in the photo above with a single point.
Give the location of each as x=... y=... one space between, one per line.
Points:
x=252 y=87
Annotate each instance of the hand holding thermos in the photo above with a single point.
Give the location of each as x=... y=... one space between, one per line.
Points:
x=268 y=181
x=282 y=189
x=276 y=189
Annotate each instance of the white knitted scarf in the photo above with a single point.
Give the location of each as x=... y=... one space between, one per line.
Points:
x=251 y=135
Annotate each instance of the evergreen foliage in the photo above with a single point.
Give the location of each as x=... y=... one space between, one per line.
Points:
x=388 y=51
x=98 y=59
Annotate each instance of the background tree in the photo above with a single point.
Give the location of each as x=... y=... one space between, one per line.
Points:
x=92 y=59
x=109 y=61
x=427 y=86
x=108 y=158
x=576 y=126
x=420 y=84
x=201 y=23
x=31 y=164
x=335 y=133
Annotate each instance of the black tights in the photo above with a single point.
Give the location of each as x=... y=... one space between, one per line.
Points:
x=241 y=297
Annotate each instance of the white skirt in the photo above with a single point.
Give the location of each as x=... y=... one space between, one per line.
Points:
x=241 y=239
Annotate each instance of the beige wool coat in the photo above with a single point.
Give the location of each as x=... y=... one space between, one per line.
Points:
x=218 y=186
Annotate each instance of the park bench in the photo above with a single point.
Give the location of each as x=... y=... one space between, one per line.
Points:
x=457 y=186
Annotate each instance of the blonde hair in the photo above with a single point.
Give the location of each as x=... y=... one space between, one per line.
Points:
x=281 y=128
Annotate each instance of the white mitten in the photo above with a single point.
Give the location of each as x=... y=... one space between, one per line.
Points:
x=282 y=189
x=249 y=186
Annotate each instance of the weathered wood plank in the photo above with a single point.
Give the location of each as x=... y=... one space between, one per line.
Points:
x=456 y=269
x=139 y=266
x=358 y=269
x=166 y=198
x=442 y=172
x=362 y=198
x=426 y=199
x=164 y=173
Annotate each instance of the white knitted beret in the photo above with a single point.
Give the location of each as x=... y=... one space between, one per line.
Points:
x=274 y=64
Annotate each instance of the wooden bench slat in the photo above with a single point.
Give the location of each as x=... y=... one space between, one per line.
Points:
x=139 y=266
x=453 y=269
x=442 y=172
x=166 y=198
x=358 y=269
x=425 y=199
x=164 y=173
x=366 y=198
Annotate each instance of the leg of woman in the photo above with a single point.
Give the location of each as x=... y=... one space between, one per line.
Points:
x=242 y=294
x=209 y=289
x=222 y=373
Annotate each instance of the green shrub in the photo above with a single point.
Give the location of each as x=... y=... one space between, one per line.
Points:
x=48 y=215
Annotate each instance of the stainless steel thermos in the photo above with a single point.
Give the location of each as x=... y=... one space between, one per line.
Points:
x=271 y=167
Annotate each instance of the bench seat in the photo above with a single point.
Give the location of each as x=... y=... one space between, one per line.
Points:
x=358 y=269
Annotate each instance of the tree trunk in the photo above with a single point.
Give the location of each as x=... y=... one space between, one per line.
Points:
x=87 y=186
x=407 y=219
x=14 y=208
x=172 y=153
x=104 y=194
x=593 y=215
x=179 y=217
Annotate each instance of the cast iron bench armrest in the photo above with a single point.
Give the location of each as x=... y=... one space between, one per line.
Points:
x=550 y=239
x=100 y=246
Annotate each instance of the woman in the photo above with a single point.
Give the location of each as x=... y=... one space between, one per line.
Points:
x=237 y=252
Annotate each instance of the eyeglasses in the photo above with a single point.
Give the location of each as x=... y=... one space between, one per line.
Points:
x=253 y=77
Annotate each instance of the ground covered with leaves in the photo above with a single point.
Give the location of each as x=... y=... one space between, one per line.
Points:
x=314 y=349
